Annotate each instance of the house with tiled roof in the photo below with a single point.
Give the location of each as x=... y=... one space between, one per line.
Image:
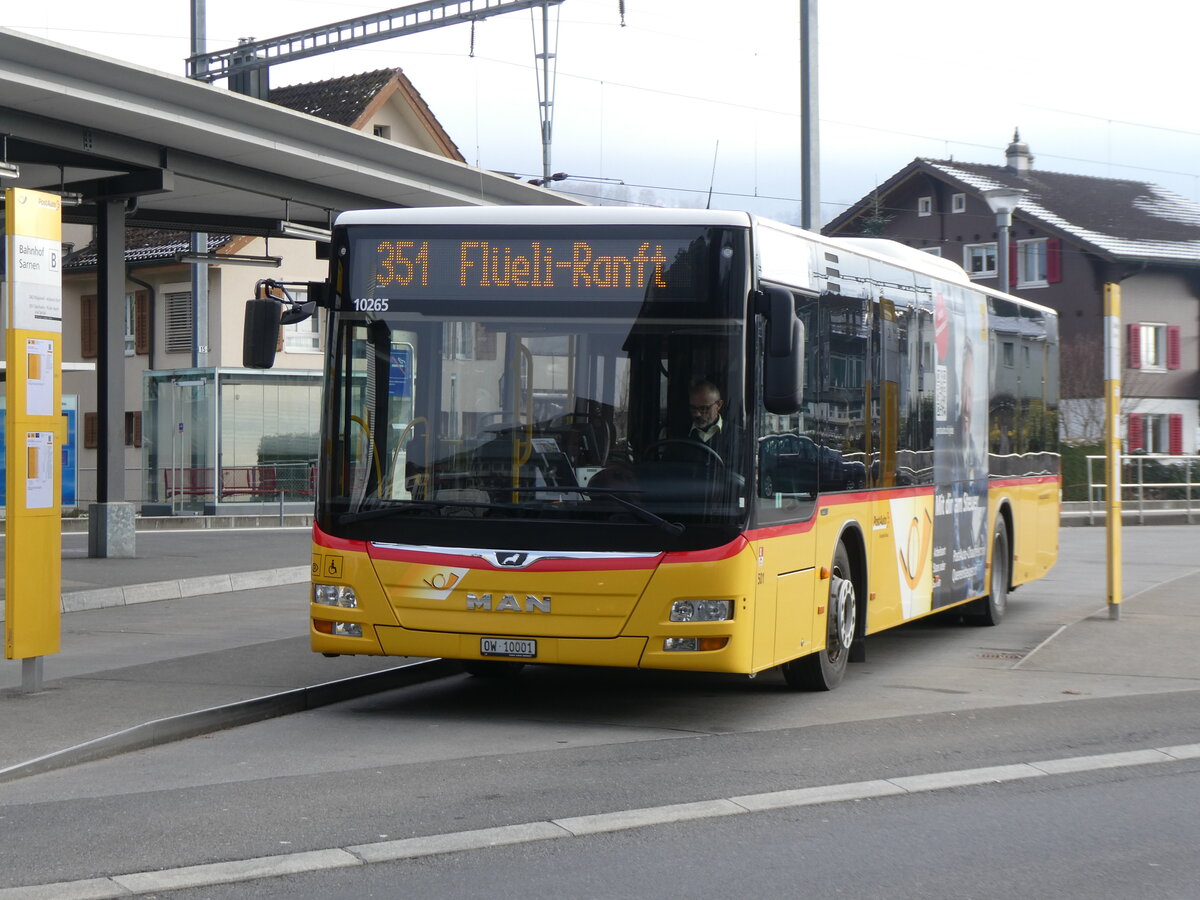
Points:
x=383 y=102
x=184 y=419
x=1070 y=235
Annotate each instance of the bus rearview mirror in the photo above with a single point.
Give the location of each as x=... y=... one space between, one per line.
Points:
x=260 y=333
x=783 y=362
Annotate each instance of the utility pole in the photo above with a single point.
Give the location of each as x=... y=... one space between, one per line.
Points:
x=546 y=78
x=810 y=138
x=199 y=19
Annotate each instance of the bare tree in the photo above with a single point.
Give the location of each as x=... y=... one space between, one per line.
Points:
x=1081 y=384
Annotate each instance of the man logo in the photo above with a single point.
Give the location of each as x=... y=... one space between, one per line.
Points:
x=511 y=560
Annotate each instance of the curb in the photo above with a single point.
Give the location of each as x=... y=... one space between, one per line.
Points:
x=130 y=594
x=179 y=589
x=243 y=712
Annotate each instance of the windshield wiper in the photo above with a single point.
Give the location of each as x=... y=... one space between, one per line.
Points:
x=404 y=507
x=614 y=493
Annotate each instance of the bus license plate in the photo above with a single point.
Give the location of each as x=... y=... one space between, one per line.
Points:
x=497 y=646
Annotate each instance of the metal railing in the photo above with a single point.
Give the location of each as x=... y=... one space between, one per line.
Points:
x=1153 y=484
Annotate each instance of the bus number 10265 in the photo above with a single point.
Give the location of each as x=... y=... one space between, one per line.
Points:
x=402 y=263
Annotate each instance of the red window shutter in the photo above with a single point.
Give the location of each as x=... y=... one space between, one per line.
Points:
x=1135 y=346
x=1175 y=433
x=87 y=326
x=1012 y=266
x=1136 y=435
x=1053 y=260
x=141 y=329
x=1173 y=347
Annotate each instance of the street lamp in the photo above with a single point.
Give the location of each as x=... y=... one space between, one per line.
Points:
x=1002 y=201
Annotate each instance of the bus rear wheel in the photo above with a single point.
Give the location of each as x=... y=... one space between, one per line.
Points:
x=825 y=669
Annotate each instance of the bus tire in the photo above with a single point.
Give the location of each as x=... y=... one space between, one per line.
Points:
x=990 y=610
x=824 y=670
x=494 y=670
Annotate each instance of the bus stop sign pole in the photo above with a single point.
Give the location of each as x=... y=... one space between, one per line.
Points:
x=1112 y=443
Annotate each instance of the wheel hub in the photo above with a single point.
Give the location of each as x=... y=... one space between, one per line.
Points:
x=844 y=611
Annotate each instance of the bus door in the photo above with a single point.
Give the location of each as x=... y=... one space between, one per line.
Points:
x=885 y=415
x=901 y=517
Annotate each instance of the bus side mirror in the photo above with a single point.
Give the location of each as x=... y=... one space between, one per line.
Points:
x=260 y=332
x=783 y=364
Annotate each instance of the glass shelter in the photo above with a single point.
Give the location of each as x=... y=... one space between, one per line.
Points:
x=229 y=441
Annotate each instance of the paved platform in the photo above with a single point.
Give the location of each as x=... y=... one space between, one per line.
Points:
x=223 y=641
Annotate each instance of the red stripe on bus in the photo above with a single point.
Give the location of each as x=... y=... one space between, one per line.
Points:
x=714 y=554
x=474 y=561
x=1026 y=479
x=328 y=541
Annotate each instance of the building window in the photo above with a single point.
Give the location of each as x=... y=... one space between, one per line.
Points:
x=1007 y=354
x=958 y=203
x=178 y=327
x=130 y=324
x=980 y=260
x=137 y=324
x=1153 y=346
x=1031 y=263
x=1155 y=433
x=458 y=340
x=932 y=251
x=303 y=337
x=924 y=206
x=382 y=131
x=133 y=429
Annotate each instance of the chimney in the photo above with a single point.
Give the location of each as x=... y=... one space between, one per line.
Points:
x=1017 y=157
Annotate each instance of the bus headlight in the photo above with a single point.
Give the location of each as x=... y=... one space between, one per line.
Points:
x=701 y=610
x=334 y=595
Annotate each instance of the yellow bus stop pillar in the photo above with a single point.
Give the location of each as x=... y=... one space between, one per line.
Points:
x=1112 y=444
x=34 y=430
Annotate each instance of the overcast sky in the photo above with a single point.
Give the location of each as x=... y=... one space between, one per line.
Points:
x=693 y=95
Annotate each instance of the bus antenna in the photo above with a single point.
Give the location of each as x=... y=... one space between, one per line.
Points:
x=713 y=176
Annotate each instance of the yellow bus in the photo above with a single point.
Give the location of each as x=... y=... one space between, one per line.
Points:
x=667 y=439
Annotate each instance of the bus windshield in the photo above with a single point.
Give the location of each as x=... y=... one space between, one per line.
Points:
x=600 y=405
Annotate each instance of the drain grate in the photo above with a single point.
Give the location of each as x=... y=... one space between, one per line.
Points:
x=1001 y=654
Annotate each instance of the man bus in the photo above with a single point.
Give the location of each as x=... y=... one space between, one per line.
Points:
x=498 y=483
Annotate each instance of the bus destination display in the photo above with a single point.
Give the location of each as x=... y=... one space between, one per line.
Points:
x=469 y=268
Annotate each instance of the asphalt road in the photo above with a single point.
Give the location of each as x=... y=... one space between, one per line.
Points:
x=1077 y=837
x=460 y=754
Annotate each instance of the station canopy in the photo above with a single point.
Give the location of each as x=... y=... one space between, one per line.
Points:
x=188 y=155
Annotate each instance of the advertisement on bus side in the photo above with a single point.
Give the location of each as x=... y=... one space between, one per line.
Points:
x=960 y=447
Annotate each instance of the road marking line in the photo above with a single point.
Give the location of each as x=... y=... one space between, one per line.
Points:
x=236 y=870
x=480 y=839
x=653 y=815
x=938 y=781
x=834 y=793
x=483 y=838
x=1103 y=761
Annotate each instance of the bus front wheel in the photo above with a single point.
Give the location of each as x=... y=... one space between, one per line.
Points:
x=824 y=670
x=990 y=610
